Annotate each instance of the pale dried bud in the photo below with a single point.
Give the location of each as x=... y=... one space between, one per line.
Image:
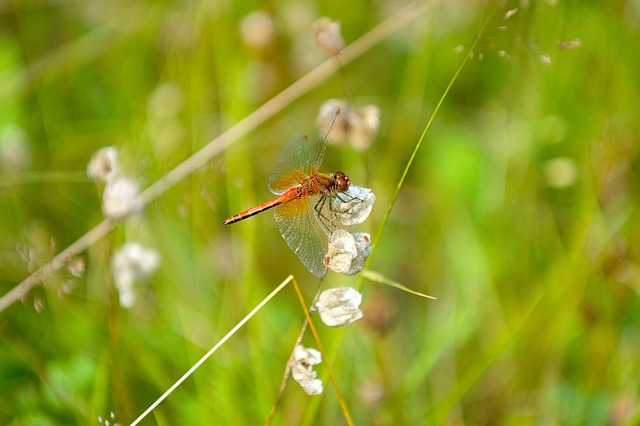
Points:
x=364 y=123
x=302 y=369
x=339 y=132
x=342 y=251
x=119 y=197
x=354 y=205
x=363 y=249
x=339 y=307
x=327 y=36
x=357 y=125
x=348 y=252
x=104 y=164
x=130 y=264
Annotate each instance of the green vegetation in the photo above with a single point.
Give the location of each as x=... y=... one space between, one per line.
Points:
x=519 y=213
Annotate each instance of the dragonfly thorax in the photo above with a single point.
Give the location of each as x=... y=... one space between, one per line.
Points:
x=340 y=182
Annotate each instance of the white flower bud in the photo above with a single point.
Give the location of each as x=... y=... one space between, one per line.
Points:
x=364 y=122
x=339 y=307
x=104 y=164
x=327 y=36
x=357 y=125
x=342 y=250
x=131 y=264
x=354 y=205
x=339 y=131
x=363 y=248
x=119 y=197
x=302 y=369
x=347 y=252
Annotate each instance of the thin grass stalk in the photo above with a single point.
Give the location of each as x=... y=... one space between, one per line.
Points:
x=394 y=197
x=213 y=350
x=287 y=370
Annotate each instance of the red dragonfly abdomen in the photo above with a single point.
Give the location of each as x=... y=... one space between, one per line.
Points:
x=289 y=195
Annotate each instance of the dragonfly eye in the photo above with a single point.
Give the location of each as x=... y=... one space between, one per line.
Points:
x=341 y=181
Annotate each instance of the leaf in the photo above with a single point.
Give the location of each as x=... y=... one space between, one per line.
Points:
x=379 y=278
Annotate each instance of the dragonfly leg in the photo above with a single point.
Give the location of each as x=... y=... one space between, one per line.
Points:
x=325 y=221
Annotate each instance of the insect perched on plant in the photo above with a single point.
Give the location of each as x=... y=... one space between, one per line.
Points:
x=311 y=206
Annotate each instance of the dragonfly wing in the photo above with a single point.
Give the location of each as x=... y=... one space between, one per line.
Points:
x=297 y=225
x=327 y=212
x=287 y=171
x=301 y=156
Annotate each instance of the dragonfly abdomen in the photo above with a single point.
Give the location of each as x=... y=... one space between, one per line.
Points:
x=283 y=198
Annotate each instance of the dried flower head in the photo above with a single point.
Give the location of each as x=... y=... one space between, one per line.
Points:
x=104 y=164
x=339 y=132
x=364 y=122
x=339 y=307
x=119 y=197
x=131 y=264
x=354 y=205
x=342 y=250
x=327 y=36
x=302 y=369
x=357 y=125
x=347 y=252
x=363 y=250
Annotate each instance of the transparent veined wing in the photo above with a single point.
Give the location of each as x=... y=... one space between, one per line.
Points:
x=298 y=227
x=329 y=212
x=301 y=156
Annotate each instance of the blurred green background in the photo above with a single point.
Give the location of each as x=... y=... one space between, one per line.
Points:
x=520 y=213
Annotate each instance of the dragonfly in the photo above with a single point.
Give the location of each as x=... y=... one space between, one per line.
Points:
x=310 y=206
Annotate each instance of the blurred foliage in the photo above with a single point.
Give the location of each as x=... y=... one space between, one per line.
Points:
x=519 y=213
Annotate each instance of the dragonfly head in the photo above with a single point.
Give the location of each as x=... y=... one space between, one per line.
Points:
x=341 y=181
